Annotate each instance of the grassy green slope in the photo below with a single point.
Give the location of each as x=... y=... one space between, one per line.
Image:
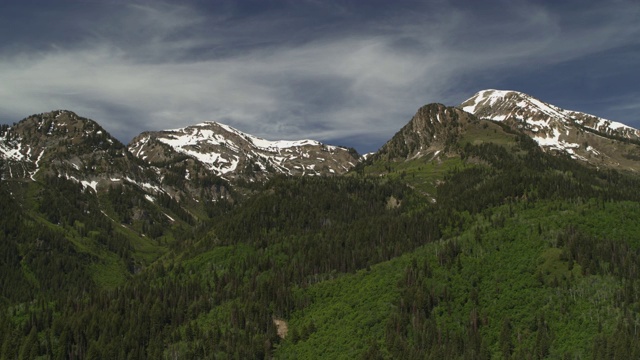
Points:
x=516 y=271
x=346 y=314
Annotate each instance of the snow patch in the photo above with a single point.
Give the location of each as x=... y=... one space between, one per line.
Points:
x=144 y=185
x=91 y=184
x=37 y=163
x=268 y=145
x=12 y=150
x=554 y=142
x=485 y=98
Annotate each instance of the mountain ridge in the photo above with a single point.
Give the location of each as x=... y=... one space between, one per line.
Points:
x=219 y=150
x=493 y=96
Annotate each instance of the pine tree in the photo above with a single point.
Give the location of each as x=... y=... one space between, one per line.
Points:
x=506 y=344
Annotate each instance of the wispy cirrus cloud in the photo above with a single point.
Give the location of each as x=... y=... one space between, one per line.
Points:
x=284 y=73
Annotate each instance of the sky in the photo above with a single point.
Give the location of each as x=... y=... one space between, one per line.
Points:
x=348 y=73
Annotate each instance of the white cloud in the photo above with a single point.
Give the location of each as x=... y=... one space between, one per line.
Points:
x=182 y=68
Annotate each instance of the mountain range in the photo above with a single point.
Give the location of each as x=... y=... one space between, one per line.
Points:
x=68 y=145
x=504 y=227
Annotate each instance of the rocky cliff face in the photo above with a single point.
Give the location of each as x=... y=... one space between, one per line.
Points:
x=431 y=131
x=60 y=143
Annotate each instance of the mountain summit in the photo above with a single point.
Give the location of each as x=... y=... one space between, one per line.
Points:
x=582 y=136
x=232 y=154
x=432 y=130
x=61 y=143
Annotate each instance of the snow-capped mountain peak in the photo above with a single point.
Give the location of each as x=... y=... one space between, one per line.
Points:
x=509 y=104
x=578 y=134
x=229 y=152
x=501 y=105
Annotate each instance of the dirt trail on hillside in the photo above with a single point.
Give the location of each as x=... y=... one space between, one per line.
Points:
x=282 y=327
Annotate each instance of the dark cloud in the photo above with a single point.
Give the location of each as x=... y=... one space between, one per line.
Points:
x=347 y=72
